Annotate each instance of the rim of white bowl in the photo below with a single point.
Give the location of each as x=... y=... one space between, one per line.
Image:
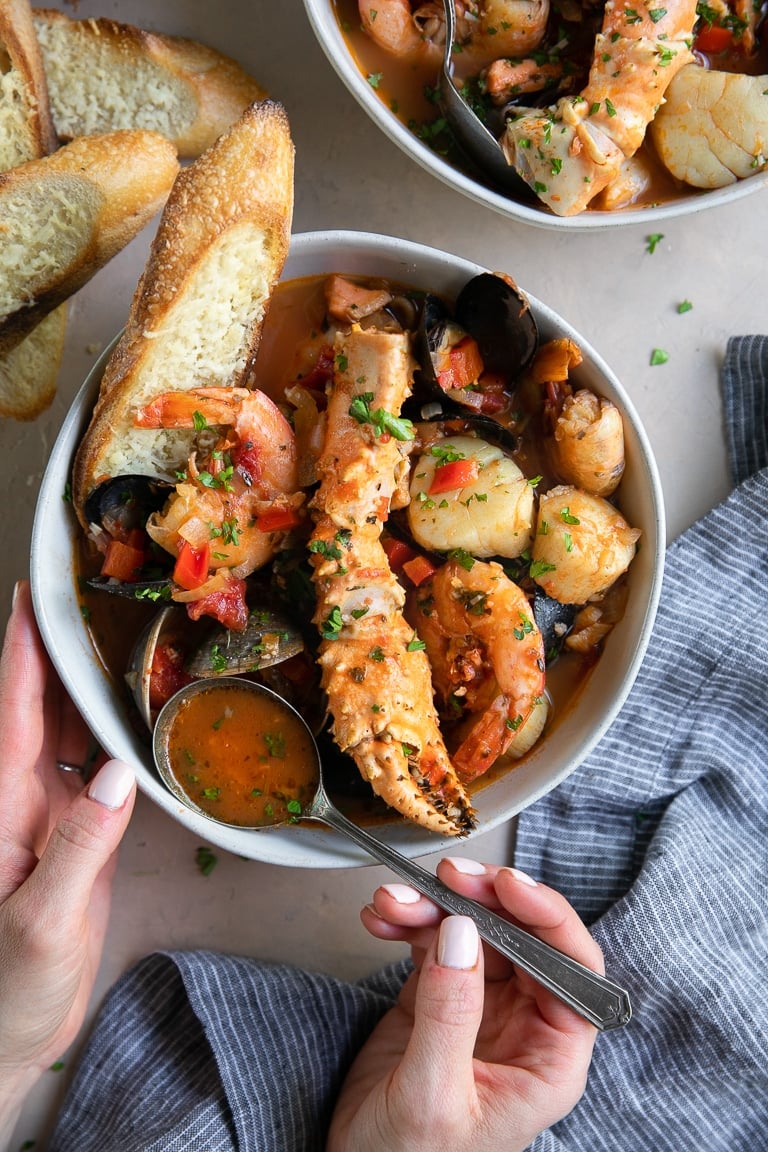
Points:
x=69 y=645
x=332 y=41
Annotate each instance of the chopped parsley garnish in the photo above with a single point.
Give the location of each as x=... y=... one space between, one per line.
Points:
x=332 y=625
x=567 y=518
x=382 y=421
x=376 y=653
x=199 y=422
x=211 y=793
x=462 y=557
x=684 y=306
x=653 y=240
x=218 y=659
x=374 y=79
x=659 y=356
x=206 y=860
x=415 y=645
x=275 y=742
x=540 y=568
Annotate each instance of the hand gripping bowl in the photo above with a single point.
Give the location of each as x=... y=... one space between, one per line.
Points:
x=67 y=640
x=332 y=40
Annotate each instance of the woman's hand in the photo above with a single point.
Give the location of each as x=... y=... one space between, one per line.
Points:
x=57 y=855
x=476 y=1056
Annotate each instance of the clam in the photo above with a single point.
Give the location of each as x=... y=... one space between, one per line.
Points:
x=179 y=650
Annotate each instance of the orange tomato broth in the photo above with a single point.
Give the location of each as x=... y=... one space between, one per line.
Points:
x=406 y=86
x=242 y=757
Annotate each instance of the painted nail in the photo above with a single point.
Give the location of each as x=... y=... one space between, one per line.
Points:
x=402 y=893
x=457 y=943
x=523 y=877
x=469 y=867
x=112 y=784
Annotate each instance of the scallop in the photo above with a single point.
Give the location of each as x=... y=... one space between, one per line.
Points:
x=490 y=516
x=582 y=545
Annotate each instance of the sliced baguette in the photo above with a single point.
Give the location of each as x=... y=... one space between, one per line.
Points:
x=28 y=372
x=26 y=127
x=103 y=75
x=64 y=216
x=197 y=315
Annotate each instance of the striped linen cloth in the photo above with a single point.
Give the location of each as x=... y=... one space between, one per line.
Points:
x=660 y=840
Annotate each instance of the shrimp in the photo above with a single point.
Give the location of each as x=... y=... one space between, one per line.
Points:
x=582 y=545
x=570 y=152
x=374 y=670
x=241 y=478
x=486 y=28
x=487 y=656
x=713 y=130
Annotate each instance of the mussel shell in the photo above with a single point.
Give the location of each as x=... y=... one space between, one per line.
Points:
x=499 y=317
x=125 y=500
x=554 y=620
x=269 y=638
x=152 y=590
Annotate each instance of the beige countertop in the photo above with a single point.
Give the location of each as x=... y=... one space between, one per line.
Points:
x=606 y=284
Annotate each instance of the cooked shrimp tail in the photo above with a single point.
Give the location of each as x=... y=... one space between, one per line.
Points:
x=487 y=655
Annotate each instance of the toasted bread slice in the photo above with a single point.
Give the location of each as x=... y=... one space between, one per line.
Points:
x=103 y=75
x=26 y=127
x=28 y=372
x=197 y=315
x=64 y=216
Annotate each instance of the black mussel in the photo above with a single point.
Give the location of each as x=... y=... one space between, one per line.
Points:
x=124 y=503
x=499 y=317
x=269 y=638
x=554 y=621
x=459 y=422
x=152 y=590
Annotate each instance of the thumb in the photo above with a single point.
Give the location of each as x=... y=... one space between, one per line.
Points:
x=448 y=1010
x=83 y=839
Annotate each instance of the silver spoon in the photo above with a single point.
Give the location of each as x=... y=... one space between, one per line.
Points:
x=470 y=133
x=592 y=996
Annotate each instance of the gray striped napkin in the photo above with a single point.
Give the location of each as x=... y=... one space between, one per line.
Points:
x=660 y=840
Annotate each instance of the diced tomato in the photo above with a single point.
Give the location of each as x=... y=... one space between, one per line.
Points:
x=226 y=605
x=167 y=675
x=713 y=39
x=419 y=569
x=278 y=520
x=317 y=378
x=454 y=474
x=397 y=552
x=465 y=365
x=247 y=461
x=122 y=561
x=192 y=566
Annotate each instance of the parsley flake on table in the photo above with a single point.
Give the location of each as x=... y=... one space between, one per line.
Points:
x=653 y=240
x=684 y=306
x=206 y=860
x=659 y=356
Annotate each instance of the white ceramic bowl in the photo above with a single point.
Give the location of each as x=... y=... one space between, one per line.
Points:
x=332 y=41
x=67 y=640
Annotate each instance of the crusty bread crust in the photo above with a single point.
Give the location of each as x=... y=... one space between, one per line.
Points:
x=64 y=216
x=26 y=126
x=103 y=75
x=198 y=311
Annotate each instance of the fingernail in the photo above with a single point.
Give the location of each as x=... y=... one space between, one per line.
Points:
x=370 y=908
x=523 y=877
x=457 y=943
x=470 y=867
x=15 y=596
x=402 y=893
x=112 y=784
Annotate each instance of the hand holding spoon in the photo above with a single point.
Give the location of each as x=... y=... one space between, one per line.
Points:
x=594 y=997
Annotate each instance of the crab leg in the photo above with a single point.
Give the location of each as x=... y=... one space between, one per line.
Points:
x=374 y=670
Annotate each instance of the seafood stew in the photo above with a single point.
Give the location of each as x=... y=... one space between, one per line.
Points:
x=381 y=492
x=59 y=609
x=569 y=90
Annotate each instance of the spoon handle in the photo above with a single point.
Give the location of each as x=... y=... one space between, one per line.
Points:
x=594 y=997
